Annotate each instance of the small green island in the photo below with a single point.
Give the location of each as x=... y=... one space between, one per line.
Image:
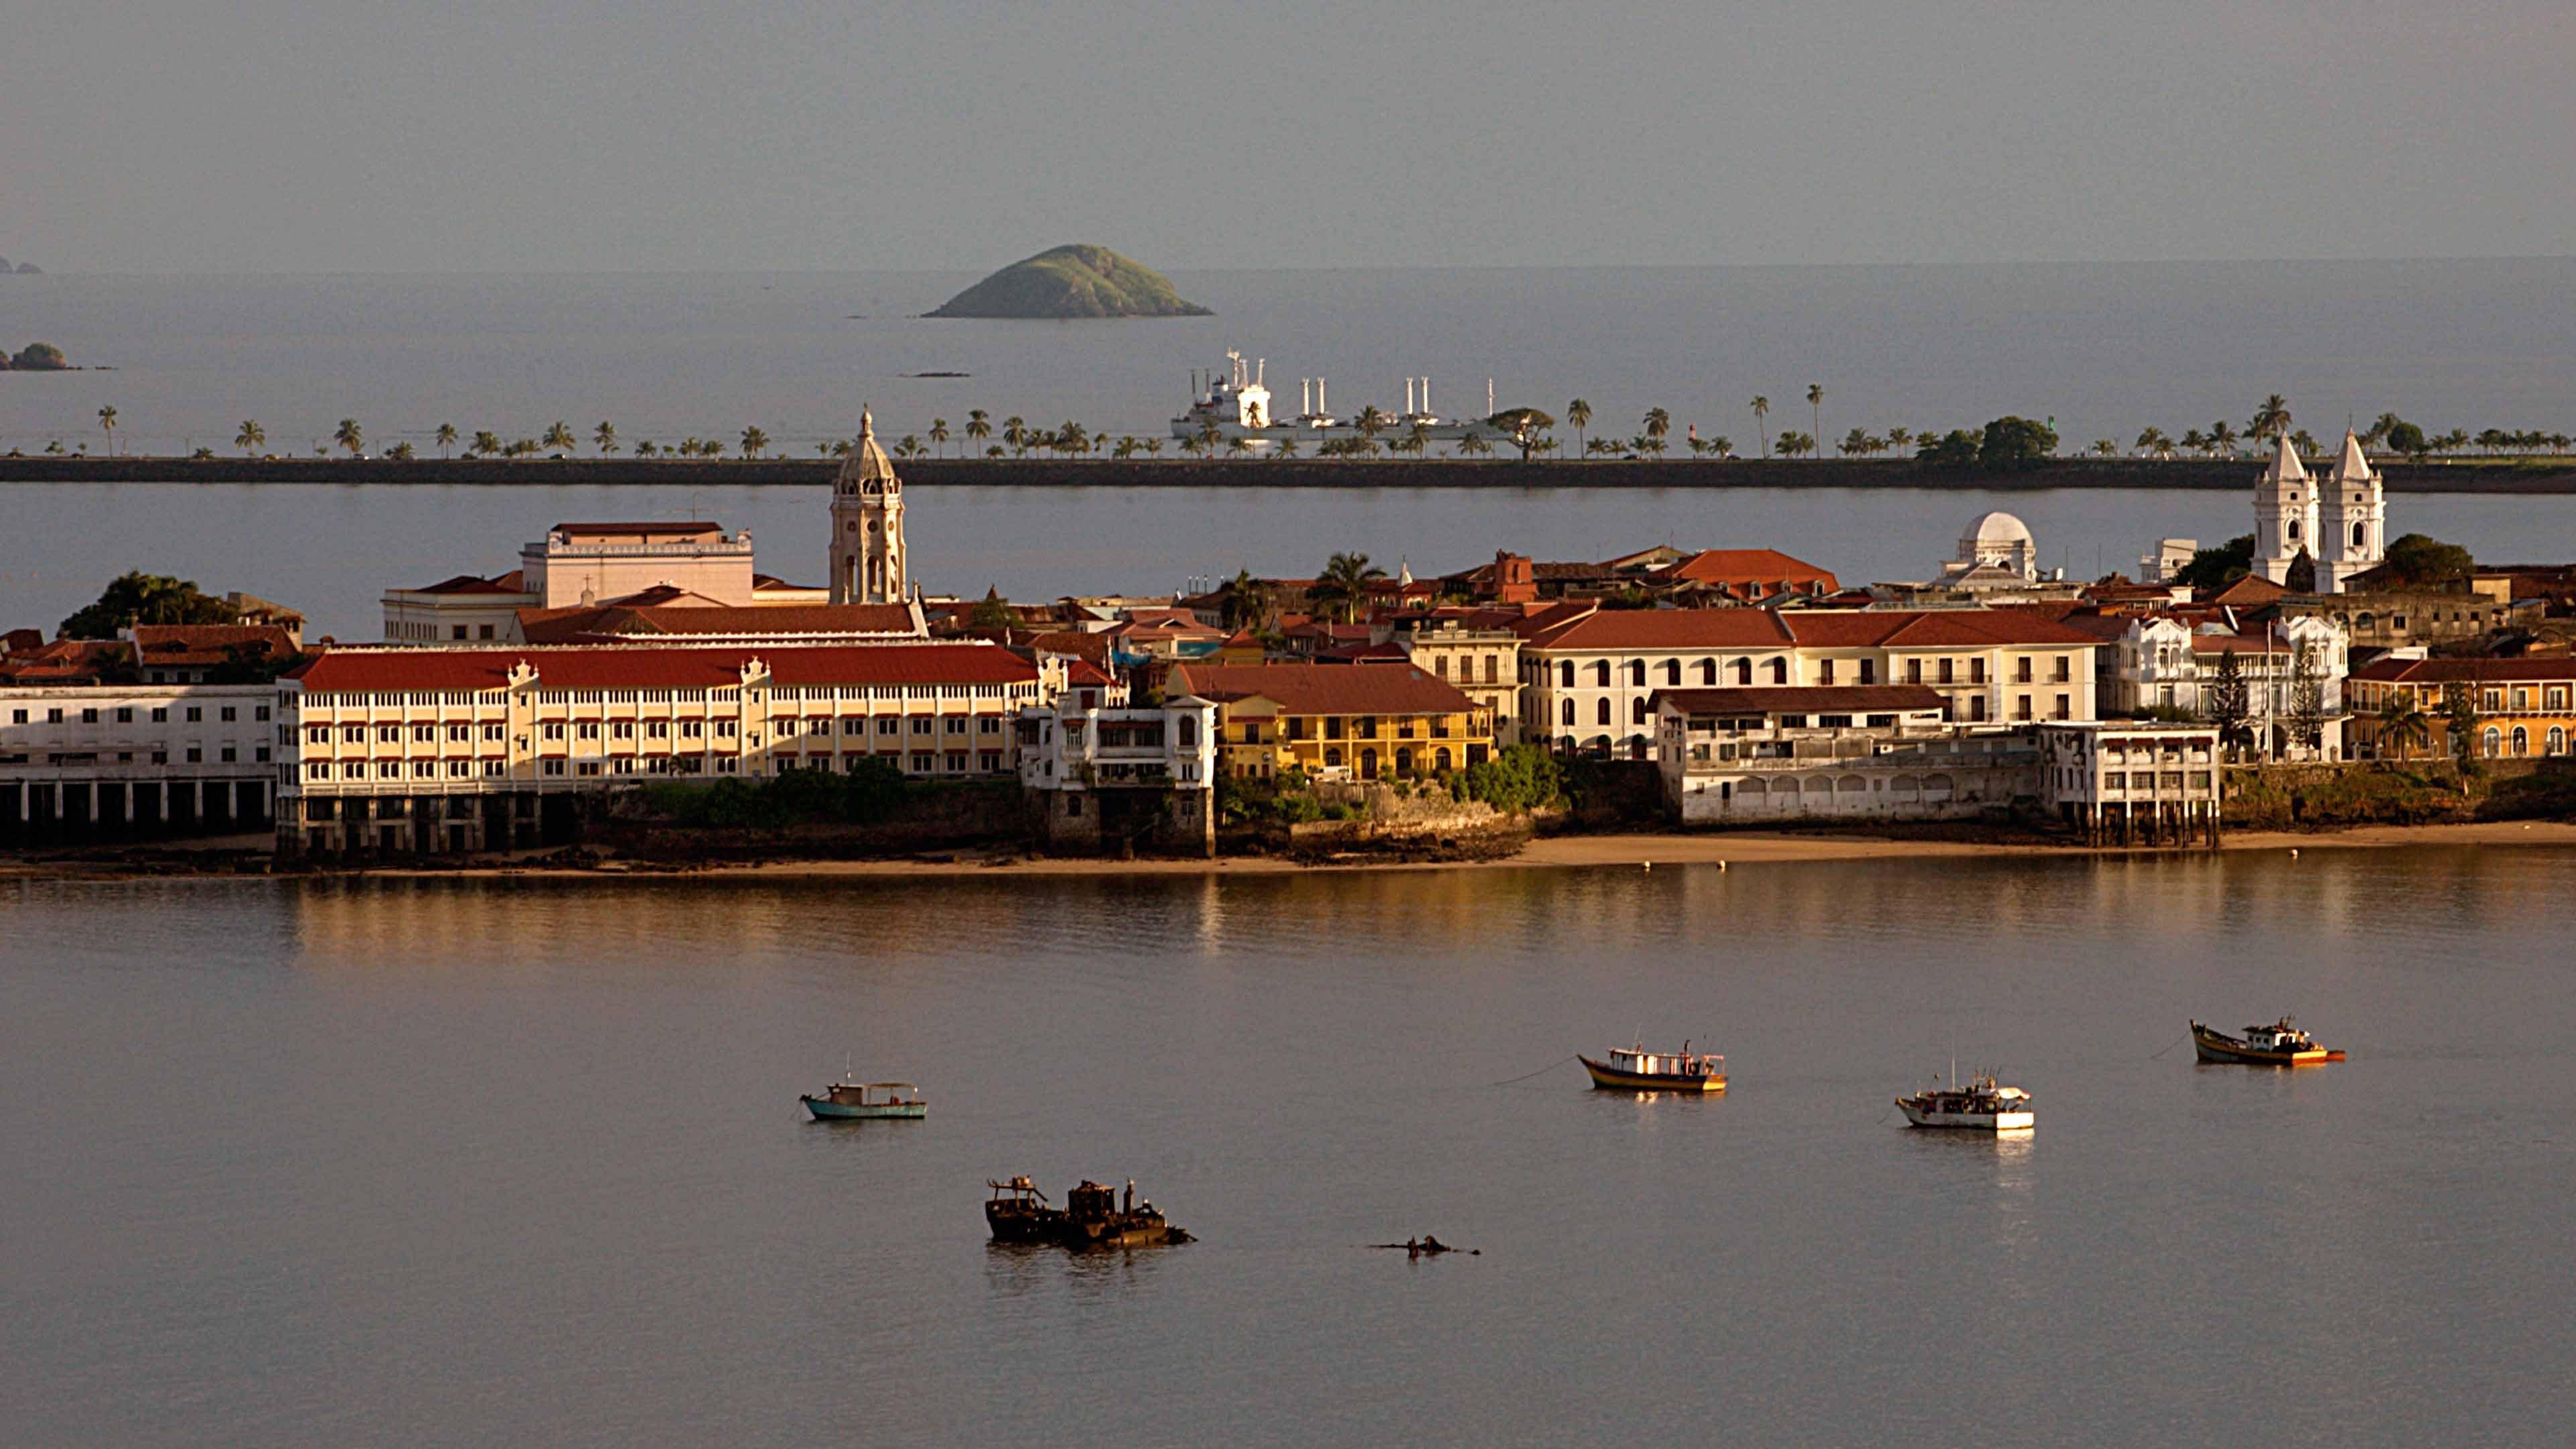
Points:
x=1079 y=280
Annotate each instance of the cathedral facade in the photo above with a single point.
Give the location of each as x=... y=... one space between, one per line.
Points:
x=2339 y=521
x=868 y=560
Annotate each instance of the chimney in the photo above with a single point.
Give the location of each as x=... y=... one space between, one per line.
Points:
x=1426 y=394
x=1408 y=397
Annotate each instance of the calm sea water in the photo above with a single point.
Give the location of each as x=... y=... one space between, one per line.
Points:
x=517 y=1163
x=2104 y=349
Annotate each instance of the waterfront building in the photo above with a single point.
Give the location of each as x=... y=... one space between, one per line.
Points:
x=90 y=760
x=1474 y=649
x=869 y=559
x=586 y=565
x=1339 y=721
x=469 y=749
x=1588 y=682
x=1109 y=775
x=2168 y=661
x=2522 y=707
x=2130 y=782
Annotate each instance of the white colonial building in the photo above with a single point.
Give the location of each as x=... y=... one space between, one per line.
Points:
x=2340 y=522
x=102 y=760
x=1112 y=774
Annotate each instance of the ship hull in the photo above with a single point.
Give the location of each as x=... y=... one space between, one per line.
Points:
x=1612 y=1079
x=1969 y=1121
x=830 y=1111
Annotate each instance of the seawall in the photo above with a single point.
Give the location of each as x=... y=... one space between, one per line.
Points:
x=2538 y=476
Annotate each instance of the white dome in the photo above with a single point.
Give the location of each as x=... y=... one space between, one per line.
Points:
x=1996 y=527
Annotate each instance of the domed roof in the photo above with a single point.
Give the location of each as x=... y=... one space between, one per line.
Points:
x=1996 y=527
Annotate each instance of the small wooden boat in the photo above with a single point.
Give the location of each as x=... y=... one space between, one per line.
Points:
x=1636 y=1069
x=868 y=1102
x=1092 y=1217
x=1984 y=1105
x=2277 y=1045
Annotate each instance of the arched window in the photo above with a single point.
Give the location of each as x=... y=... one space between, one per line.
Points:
x=1565 y=673
x=1744 y=671
x=1708 y=671
x=1440 y=759
x=2521 y=740
x=1779 y=671
x=1672 y=671
x=2360 y=534
x=1332 y=757
x=1637 y=672
x=1601 y=672
x=1368 y=764
x=2557 y=740
x=2294 y=528
x=1568 y=711
x=1565 y=744
x=1189 y=731
x=1601 y=712
x=1636 y=747
x=1404 y=759
x=1637 y=711
x=2493 y=741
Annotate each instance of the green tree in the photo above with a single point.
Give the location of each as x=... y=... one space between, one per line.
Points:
x=2307 y=698
x=605 y=436
x=486 y=443
x=2406 y=438
x=1762 y=410
x=1659 y=424
x=349 y=437
x=1344 y=584
x=1243 y=601
x=2212 y=569
x=2404 y=723
x=400 y=452
x=1370 y=422
x=2460 y=723
x=559 y=436
x=1524 y=426
x=1956 y=449
x=754 y=441
x=1016 y=433
x=250 y=437
x=2225 y=703
x=446 y=438
x=938 y=432
x=979 y=424
x=1518 y=779
x=2273 y=417
x=993 y=612
x=107 y=425
x=40 y=357
x=1816 y=400
x=1578 y=416
x=1795 y=445
x=2153 y=443
x=2417 y=562
x=2013 y=444
x=141 y=598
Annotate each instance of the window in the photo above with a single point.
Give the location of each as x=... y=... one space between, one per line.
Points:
x=1976 y=671
x=1672 y=671
x=551 y=729
x=424 y=734
x=17 y=716
x=1440 y=666
x=586 y=730
x=1869 y=671
x=957 y=724
x=1825 y=672
x=1189 y=733
x=485 y=633
x=551 y=767
x=956 y=762
x=89 y=716
x=1567 y=711
x=988 y=725
x=1976 y=709
x=160 y=714
x=623 y=729
x=2062 y=710
x=459 y=734
x=2062 y=670
x=889 y=724
x=229 y=754
x=1601 y=712
x=691 y=729
x=424 y=769
x=196 y=715
x=786 y=728
x=197 y=755
x=1708 y=671
x=1492 y=663
x=921 y=762
x=1637 y=711
x=1637 y=673
x=354 y=734
x=2021 y=670
x=494 y=732
x=1565 y=674
x=1779 y=671
x=389 y=734
x=1945 y=674
x=456 y=631
x=921 y=724
x=1743 y=671
x=125 y=714
x=2021 y=706
x=1601 y=673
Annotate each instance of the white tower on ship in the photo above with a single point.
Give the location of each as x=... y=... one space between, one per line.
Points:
x=2285 y=513
x=867 y=525
x=2352 y=520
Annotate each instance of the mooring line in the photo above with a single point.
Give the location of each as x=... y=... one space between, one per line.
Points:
x=2177 y=1041
x=1525 y=1076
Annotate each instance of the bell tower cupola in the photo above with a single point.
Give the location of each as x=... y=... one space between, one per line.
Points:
x=868 y=562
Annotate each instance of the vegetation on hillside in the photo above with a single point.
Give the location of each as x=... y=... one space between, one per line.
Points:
x=1080 y=280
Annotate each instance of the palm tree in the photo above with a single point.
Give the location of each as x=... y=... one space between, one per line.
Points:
x=979 y=424
x=1897 y=438
x=1370 y=422
x=1761 y=410
x=646 y=448
x=1794 y=445
x=1016 y=433
x=485 y=443
x=1242 y=600
x=1154 y=447
x=1658 y=424
x=446 y=438
x=605 y=435
x=1721 y=446
x=250 y=436
x=2153 y=443
x=347 y=436
x=107 y=424
x=908 y=447
x=560 y=437
x=2405 y=723
x=1578 y=416
x=1345 y=582
x=939 y=432
x=2222 y=438
x=753 y=441
x=2272 y=417
x=1287 y=447
x=1816 y=400
x=1474 y=446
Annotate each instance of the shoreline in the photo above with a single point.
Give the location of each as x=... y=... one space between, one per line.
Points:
x=1642 y=851
x=2539 y=476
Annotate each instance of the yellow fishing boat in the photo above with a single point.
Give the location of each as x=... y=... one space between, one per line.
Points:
x=2277 y=1045
x=1636 y=1069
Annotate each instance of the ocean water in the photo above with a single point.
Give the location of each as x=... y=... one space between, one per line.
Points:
x=521 y=1162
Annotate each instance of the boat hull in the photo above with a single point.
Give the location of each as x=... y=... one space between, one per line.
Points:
x=1968 y=1121
x=2214 y=1047
x=828 y=1111
x=1612 y=1079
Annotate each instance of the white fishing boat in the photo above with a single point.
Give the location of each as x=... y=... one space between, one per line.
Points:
x=1983 y=1105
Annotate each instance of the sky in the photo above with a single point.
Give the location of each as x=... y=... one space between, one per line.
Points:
x=795 y=135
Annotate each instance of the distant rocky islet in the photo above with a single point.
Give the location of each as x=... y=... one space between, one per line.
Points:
x=22 y=269
x=1074 y=281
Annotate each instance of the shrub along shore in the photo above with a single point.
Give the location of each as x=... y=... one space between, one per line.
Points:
x=2458 y=475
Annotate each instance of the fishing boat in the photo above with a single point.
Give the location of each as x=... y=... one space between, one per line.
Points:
x=1984 y=1105
x=868 y=1102
x=1635 y=1069
x=1092 y=1217
x=2277 y=1045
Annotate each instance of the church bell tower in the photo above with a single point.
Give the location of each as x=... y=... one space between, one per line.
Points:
x=868 y=565
x=2352 y=519
x=2285 y=514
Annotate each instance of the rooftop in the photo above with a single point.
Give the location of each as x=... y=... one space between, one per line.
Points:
x=673 y=667
x=1326 y=688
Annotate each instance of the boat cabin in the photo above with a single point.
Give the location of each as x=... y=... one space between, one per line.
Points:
x=875 y=1094
x=1684 y=1063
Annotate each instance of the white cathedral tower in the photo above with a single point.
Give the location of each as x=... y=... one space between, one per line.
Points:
x=2285 y=514
x=867 y=525
x=2352 y=520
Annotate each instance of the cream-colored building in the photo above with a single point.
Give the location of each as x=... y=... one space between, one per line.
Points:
x=1588 y=683
x=1478 y=654
x=461 y=749
x=651 y=563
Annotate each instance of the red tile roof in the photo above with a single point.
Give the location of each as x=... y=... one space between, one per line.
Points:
x=661 y=528
x=678 y=667
x=65 y=661
x=1802 y=699
x=1084 y=672
x=566 y=626
x=513 y=582
x=1765 y=569
x=1615 y=629
x=2553 y=669
x=201 y=645
x=1325 y=688
x=1611 y=630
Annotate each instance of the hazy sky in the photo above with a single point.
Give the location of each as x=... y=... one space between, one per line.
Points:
x=476 y=135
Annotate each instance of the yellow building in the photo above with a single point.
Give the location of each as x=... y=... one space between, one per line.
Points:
x=1364 y=721
x=2524 y=706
